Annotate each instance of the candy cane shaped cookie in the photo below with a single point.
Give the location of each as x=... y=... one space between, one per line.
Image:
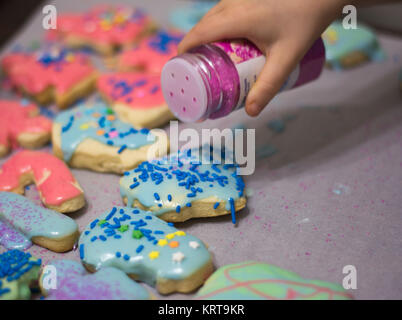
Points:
x=146 y=248
x=75 y=283
x=56 y=185
x=21 y=125
x=22 y=223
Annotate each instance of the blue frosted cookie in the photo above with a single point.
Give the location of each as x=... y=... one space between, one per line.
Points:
x=73 y=282
x=186 y=16
x=92 y=136
x=184 y=186
x=146 y=248
x=346 y=48
x=18 y=270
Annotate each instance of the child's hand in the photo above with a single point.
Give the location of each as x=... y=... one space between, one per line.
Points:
x=283 y=30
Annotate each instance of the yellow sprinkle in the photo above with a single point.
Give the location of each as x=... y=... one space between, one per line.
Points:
x=330 y=35
x=70 y=57
x=153 y=255
x=180 y=233
x=84 y=126
x=162 y=242
x=105 y=25
x=118 y=18
x=170 y=236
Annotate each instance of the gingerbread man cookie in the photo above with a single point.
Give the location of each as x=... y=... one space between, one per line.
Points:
x=93 y=137
x=22 y=222
x=52 y=75
x=146 y=248
x=136 y=97
x=253 y=280
x=183 y=187
x=18 y=270
x=56 y=185
x=21 y=125
x=104 y=28
x=74 y=283
x=151 y=54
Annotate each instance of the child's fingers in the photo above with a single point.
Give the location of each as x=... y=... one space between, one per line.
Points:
x=280 y=62
x=216 y=27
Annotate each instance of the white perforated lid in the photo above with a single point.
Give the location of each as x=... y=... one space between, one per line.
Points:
x=184 y=90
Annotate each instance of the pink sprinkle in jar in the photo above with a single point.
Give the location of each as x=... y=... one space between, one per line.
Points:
x=213 y=80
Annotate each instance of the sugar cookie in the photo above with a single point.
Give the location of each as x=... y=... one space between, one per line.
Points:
x=186 y=16
x=104 y=28
x=147 y=249
x=56 y=185
x=18 y=270
x=74 y=283
x=253 y=280
x=44 y=227
x=53 y=75
x=188 y=188
x=136 y=97
x=346 y=48
x=93 y=137
x=151 y=54
x=21 y=125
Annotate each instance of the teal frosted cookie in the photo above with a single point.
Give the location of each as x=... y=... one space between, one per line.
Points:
x=18 y=270
x=253 y=280
x=72 y=282
x=22 y=223
x=147 y=249
x=186 y=16
x=346 y=48
x=183 y=186
x=93 y=137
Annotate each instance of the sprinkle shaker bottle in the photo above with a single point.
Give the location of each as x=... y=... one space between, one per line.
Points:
x=213 y=80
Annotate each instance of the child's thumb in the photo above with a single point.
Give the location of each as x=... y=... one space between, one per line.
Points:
x=277 y=68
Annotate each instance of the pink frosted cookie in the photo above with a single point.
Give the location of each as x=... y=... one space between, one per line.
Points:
x=73 y=282
x=56 y=185
x=52 y=75
x=151 y=54
x=136 y=97
x=104 y=28
x=21 y=125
